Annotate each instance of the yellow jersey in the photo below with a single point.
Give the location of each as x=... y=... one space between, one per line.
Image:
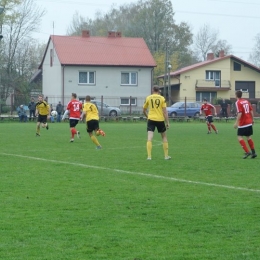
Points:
x=91 y=111
x=155 y=104
x=43 y=108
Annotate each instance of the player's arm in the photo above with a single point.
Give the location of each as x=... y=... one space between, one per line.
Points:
x=239 y=114
x=166 y=118
x=65 y=114
x=83 y=114
x=215 y=111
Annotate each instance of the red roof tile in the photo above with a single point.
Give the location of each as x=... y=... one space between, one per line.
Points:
x=102 y=51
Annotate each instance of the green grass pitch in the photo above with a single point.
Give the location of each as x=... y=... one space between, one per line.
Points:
x=62 y=200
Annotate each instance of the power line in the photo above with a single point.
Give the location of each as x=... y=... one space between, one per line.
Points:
x=216 y=14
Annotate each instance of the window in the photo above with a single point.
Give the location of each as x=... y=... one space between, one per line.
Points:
x=86 y=77
x=126 y=102
x=213 y=75
x=129 y=78
x=236 y=66
x=210 y=96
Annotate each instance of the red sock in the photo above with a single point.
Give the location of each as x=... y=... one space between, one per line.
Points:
x=251 y=144
x=243 y=144
x=73 y=132
x=213 y=127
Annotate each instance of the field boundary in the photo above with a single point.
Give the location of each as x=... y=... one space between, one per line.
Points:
x=134 y=173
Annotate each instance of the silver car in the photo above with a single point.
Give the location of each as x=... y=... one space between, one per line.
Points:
x=106 y=110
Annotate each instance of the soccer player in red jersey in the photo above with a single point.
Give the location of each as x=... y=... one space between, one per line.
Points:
x=74 y=108
x=244 y=124
x=207 y=108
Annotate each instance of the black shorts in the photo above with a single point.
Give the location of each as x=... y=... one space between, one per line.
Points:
x=160 y=125
x=42 y=119
x=245 y=131
x=209 y=119
x=92 y=125
x=73 y=122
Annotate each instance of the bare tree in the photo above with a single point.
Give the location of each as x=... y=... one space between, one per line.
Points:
x=255 y=55
x=24 y=18
x=205 y=40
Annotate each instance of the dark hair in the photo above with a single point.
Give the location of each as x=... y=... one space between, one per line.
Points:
x=204 y=99
x=74 y=95
x=87 y=98
x=156 y=88
x=239 y=93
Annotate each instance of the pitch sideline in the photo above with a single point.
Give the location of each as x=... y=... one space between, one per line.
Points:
x=134 y=173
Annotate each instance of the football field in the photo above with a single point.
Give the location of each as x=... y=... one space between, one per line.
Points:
x=62 y=200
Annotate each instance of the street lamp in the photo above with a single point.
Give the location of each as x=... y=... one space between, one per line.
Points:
x=169 y=85
x=1 y=11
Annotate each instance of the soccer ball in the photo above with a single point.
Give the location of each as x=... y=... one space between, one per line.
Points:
x=97 y=133
x=54 y=113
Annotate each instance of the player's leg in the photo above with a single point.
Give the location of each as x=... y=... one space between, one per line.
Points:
x=38 y=126
x=210 y=120
x=162 y=130
x=250 y=141
x=150 y=132
x=92 y=125
x=73 y=131
x=99 y=131
x=240 y=134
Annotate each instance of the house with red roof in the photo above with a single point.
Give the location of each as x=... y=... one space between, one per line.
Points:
x=214 y=78
x=113 y=67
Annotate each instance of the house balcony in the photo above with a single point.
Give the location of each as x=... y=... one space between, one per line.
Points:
x=212 y=85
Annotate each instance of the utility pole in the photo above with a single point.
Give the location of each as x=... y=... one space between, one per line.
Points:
x=165 y=70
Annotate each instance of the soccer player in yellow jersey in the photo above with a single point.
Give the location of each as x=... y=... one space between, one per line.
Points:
x=154 y=109
x=92 y=121
x=43 y=111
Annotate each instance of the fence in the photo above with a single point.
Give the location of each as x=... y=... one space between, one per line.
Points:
x=127 y=106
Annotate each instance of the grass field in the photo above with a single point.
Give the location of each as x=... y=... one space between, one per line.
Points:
x=62 y=200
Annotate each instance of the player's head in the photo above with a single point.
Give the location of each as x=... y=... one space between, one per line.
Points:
x=87 y=98
x=205 y=100
x=156 y=89
x=40 y=98
x=73 y=95
x=239 y=94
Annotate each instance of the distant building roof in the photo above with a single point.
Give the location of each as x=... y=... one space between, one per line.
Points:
x=102 y=51
x=211 y=60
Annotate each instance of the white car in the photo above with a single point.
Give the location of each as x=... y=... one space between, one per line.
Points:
x=106 y=110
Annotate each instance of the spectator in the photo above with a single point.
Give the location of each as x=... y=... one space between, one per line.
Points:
x=224 y=106
x=59 y=110
x=32 y=107
x=22 y=114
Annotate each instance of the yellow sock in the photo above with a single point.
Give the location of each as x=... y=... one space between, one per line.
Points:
x=165 y=149
x=149 y=149
x=95 y=140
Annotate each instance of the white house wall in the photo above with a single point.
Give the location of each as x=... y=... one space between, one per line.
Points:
x=51 y=76
x=107 y=84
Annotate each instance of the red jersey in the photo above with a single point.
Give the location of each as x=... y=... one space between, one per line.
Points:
x=74 y=107
x=207 y=108
x=244 y=107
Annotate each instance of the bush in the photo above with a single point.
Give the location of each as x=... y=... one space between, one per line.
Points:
x=5 y=109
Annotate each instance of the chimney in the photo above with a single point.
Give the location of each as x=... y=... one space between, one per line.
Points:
x=221 y=54
x=114 y=34
x=85 y=33
x=210 y=56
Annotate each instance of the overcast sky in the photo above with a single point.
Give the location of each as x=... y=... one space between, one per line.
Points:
x=236 y=20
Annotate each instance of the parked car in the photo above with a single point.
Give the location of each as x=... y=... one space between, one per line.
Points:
x=178 y=109
x=106 y=109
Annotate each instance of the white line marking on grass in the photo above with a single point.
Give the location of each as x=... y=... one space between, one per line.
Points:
x=134 y=173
